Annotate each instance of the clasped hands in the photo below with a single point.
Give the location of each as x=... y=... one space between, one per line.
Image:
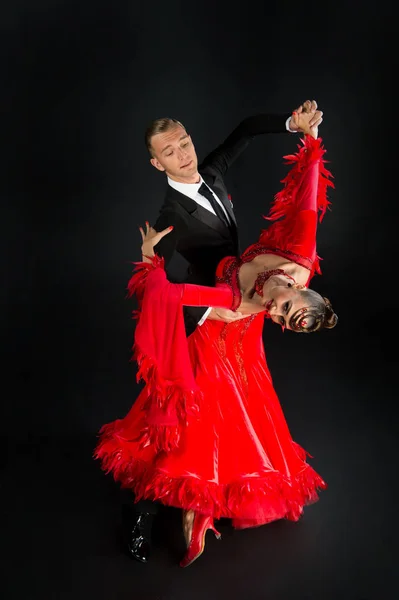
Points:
x=306 y=118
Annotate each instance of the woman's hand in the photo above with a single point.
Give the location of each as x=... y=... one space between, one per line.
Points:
x=150 y=239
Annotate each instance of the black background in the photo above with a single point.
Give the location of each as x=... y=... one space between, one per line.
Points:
x=80 y=82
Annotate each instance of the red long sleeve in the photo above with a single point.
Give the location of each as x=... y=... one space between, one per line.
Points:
x=199 y=295
x=185 y=294
x=297 y=206
x=161 y=351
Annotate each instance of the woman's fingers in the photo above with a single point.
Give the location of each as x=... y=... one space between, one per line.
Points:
x=164 y=232
x=150 y=235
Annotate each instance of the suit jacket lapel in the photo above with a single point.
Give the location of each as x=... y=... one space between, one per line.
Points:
x=198 y=212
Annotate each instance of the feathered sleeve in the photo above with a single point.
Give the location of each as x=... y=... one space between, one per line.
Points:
x=161 y=350
x=300 y=205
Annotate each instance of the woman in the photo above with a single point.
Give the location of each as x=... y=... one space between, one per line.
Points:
x=207 y=433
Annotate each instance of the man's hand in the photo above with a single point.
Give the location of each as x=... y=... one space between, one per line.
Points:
x=225 y=315
x=306 y=117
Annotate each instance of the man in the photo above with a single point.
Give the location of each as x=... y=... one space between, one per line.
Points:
x=205 y=229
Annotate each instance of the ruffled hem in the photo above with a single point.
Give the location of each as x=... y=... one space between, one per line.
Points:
x=249 y=501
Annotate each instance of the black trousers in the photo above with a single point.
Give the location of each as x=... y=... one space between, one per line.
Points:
x=146 y=506
x=143 y=506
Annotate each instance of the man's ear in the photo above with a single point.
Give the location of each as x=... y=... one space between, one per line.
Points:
x=155 y=163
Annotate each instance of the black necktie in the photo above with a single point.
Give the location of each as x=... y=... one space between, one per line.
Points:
x=206 y=192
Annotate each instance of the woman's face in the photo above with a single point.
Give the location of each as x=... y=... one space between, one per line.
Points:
x=282 y=299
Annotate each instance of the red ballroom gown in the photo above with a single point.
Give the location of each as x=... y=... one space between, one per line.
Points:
x=208 y=432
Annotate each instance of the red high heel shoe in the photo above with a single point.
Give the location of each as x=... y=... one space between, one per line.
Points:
x=197 y=543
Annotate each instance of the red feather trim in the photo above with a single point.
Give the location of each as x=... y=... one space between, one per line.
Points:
x=250 y=501
x=136 y=284
x=284 y=207
x=174 y=403
x=170 y=402
x=311 y=151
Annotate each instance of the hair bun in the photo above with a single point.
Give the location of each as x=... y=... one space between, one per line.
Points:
x=331 y=319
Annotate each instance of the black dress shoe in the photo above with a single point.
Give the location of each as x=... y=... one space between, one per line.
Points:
x=139 y=538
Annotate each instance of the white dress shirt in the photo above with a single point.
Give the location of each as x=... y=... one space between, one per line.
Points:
x=191 y=190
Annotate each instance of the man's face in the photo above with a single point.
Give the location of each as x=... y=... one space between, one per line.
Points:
x=174 y=153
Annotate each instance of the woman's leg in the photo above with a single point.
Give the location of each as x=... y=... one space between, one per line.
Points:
x=188 y=522
x=197 y=526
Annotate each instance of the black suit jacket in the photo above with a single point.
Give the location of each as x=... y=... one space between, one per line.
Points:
x=199 y=236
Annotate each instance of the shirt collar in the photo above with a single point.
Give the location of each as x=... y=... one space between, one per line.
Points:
x=188 y=189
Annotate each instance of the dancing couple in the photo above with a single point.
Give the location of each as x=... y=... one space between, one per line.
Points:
x=207 y=433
